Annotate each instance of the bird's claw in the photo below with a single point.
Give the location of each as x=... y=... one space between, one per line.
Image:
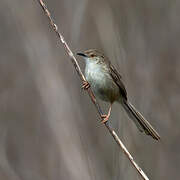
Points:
x=105 y=118
x=85 y=85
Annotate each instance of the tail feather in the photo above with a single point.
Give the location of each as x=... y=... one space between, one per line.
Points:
x=142 y=124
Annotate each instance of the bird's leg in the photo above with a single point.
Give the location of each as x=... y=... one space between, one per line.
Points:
x=106 y=116
x=85 y=85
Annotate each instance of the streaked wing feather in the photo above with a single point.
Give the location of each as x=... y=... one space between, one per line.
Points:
x=117 y=79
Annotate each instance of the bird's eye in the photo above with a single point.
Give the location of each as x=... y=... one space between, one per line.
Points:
x=92 y=55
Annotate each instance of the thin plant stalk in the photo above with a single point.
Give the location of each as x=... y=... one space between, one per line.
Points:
x=90 y=93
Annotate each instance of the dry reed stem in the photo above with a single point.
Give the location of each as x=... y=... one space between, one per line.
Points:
x=91 y=94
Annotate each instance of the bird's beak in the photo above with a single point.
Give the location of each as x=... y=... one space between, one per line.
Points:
x=82 y=54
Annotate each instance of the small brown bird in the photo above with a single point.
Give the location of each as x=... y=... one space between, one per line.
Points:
x=106 y=84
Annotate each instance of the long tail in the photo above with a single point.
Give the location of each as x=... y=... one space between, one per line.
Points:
x=142 y=124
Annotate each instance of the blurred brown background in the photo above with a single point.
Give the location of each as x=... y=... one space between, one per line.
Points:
x=49 y=129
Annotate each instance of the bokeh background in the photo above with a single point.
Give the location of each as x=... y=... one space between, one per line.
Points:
x=49 y=128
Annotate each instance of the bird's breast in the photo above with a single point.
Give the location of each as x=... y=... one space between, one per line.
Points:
x=95 y=73
x=101 y=82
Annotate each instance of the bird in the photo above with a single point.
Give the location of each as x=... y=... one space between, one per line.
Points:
x=106 y=83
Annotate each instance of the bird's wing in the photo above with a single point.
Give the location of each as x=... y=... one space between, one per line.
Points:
x=117 y=79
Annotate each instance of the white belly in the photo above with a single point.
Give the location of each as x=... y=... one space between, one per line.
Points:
x=101 y=83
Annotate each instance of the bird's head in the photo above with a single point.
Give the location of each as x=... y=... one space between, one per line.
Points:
x=92 y=55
